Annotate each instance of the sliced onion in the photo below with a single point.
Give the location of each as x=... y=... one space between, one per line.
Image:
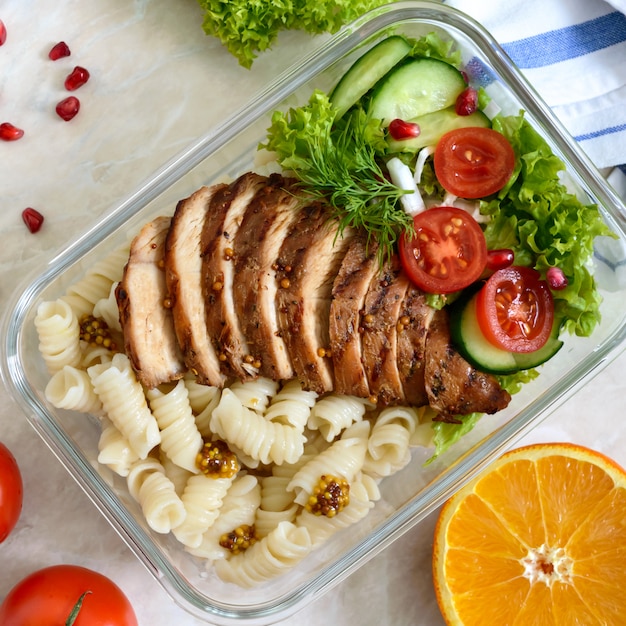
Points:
x=402 y=177
x=424 y=153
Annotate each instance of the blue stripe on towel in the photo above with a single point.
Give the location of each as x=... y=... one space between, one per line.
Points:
x=601 y=132
x=568 y=43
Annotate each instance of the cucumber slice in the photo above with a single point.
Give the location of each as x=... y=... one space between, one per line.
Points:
x=434 y=125
x=480 y=352
x=367 y=71
x=416 y=87
x=472 y=344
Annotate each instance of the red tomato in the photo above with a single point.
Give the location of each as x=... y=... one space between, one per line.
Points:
x=473 y=162
x=48 y=596
x=448 y=251
x=11 y=492
x=515 y=309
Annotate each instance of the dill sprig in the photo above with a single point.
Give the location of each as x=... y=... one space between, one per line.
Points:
x=342 y=168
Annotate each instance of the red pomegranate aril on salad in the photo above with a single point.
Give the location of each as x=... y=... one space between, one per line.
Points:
x=32 y=218
x=68 y=108
x=3 y=32
x=77 y=78
x=8 y=132
x=556 y=278
x=58 y=51
x=499 y=259
x=466 y=102
x=399 y=129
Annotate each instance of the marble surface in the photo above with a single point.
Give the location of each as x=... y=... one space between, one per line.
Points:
x=156 y=83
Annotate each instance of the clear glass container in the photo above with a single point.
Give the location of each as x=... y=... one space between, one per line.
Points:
x=408 y=496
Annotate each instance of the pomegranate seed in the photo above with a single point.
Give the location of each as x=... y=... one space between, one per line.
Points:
x=33 y=219
x=499 y=259
x=399 y=129
x=466 y=102
x=556 y=278
x=68 y=108
x=3 y=32
x=59 y=50
x=78 y=77
x=8 y=132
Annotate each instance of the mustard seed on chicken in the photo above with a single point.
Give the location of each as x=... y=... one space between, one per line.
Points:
x=216 y=460
x=329 y=497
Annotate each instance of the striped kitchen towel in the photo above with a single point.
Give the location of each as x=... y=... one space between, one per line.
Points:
x=574 y=53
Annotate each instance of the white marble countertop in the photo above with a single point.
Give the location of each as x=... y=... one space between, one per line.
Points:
x=156 y=83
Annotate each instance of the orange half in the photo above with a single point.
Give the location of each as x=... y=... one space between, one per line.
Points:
x=538 y=539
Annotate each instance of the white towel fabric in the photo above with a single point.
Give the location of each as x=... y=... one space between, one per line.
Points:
x=574 y=53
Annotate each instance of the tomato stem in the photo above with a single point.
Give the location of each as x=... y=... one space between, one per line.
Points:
x=76 y=610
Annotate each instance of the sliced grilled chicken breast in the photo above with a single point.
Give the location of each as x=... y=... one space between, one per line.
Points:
x=358 y=268
x=183 y=275
x=264 y=227
x=308 y=263
x=226 y=211
x=147 y=323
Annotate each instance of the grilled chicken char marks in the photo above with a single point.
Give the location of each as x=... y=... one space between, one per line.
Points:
x=380 y=319
x=359 y=266
x=183 y=275
x=415 y=318
x=223 y=218
x=453 y=386
x=265 y=226
x=147 y=323
x=308 y=263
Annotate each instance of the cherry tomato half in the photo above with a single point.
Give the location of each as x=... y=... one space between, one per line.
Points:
x=473 y=162
x=48 y=597
x=11 y=492
x=515 y=309
x=448 y=251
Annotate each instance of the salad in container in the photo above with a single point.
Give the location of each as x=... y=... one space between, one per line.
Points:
x=308 y=330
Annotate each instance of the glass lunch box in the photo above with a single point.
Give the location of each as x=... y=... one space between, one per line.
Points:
x=418 y=489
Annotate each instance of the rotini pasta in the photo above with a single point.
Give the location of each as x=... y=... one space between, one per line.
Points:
x=107 y=309
x=202 y=499
x=291 y=406
x=344 y=459
x=272 y=556
x=71 y=388
x=334 y=413
x=320 y=528
x=255 y=394
x=267 y=442
x=388 y=447
x=238 y=510
x=114 y=451
x=96 y=283
x=59 y=335
x=155 y=493
x=125 y=404
x=200 y=396
x=177 y=474
x=180 y=439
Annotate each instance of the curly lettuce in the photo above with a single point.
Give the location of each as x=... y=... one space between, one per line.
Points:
x=249 y=27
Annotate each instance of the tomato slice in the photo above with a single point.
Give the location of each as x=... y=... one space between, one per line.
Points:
x=473 y=162
x=448 y=251
x=515 y=309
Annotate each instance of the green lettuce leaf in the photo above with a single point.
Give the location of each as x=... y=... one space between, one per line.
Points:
x=249 y=27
